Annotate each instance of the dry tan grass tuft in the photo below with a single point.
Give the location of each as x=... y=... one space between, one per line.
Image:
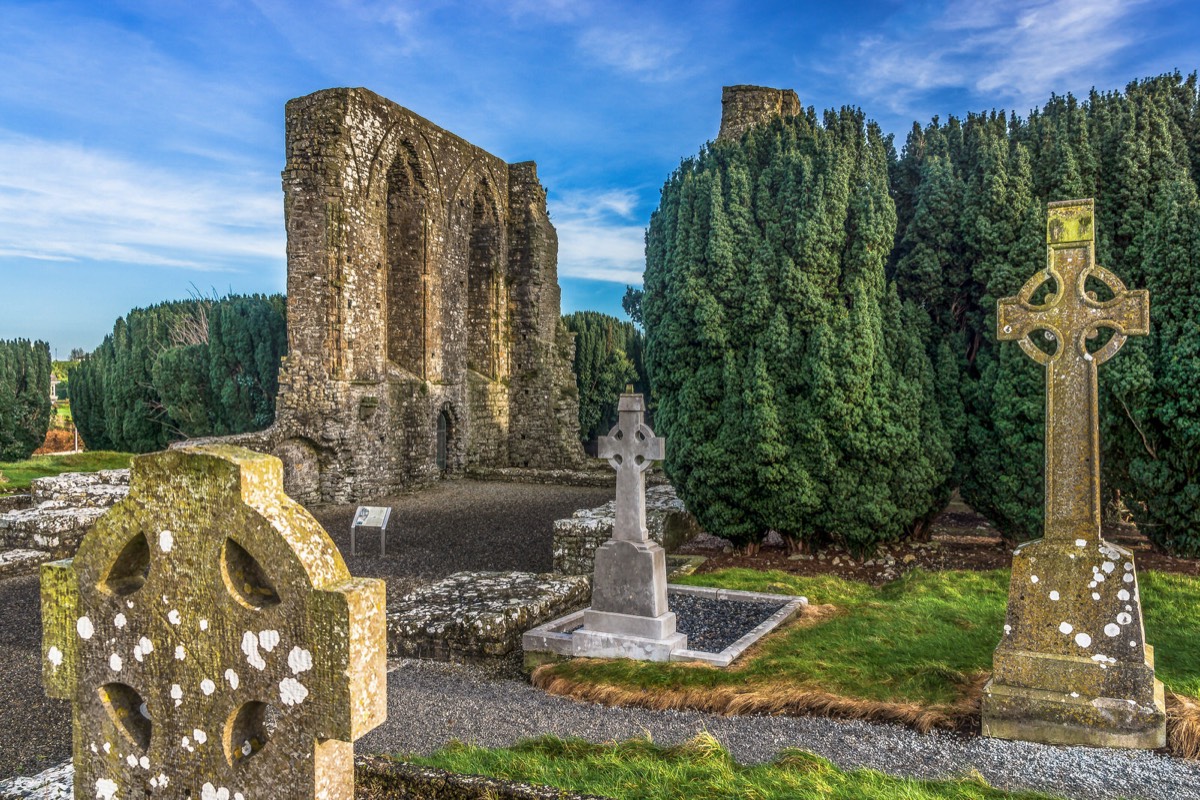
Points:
x=1183 y=726
x=1183 y=713
x=764 y=699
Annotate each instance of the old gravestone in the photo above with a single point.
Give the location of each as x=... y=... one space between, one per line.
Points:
x=211 y=641
x=629 y=615
x=1073 y=666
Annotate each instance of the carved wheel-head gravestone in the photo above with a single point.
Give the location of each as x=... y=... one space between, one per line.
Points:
x=1073 y=666
x=211 y=641
x=629 y=616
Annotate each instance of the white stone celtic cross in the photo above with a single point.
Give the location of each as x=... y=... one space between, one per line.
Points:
x=211 y=641
x=629 y=616
x=631 y=447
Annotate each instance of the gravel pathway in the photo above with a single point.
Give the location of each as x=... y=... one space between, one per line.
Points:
x=431 y=703
x=37 y=730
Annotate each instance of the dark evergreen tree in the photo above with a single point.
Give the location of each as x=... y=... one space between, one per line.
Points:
x=87 y=404
x=24 y=397
x=791 y=384
x=631 y=302
x=188 y=368
x=1136 y=152
x=247 y=337
x=608 y=357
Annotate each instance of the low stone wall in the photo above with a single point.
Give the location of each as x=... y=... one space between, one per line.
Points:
x=65 y=507
x=474 y=615
x=597 y=475
x=557 y=477
x=577 y=537
x=379 y=778
x=15 y=502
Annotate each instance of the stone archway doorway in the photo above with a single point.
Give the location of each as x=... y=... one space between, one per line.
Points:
x=443 y=441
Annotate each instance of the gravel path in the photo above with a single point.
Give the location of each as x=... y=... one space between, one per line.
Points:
x=37 y=730
x=432 y=703
x=460 y=525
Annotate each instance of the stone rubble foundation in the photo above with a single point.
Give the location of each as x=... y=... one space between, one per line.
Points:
x=577 y=538
x=64 y=507
x=472 y=615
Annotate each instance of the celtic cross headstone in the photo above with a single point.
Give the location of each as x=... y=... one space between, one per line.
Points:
x=211 y=641
x=629 y=616
x=1073 y=666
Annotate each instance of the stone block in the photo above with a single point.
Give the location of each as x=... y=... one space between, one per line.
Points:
x=600 y=644
x=472 y=615
x=1073 y=666
x=16 y=562
x=577 y=537
x=210 y=639
x=631 y=578
x=644 y=627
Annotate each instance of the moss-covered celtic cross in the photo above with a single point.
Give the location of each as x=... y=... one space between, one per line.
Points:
x=1071 y=317
x=211 y=641
x=1073 y=665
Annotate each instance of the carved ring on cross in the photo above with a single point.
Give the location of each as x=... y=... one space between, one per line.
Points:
x=634 y=448
x=1088 y=299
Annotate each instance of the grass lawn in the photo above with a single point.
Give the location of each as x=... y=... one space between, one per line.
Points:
x=915 y=651
x=19 y=473
x=640 y=769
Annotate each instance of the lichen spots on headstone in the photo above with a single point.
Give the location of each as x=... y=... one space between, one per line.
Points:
x=159 y=675
x=1047 y=685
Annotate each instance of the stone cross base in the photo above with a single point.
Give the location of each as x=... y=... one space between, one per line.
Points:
x=599 y=644
x=629 y=617
x=631 y=579
x=1074 y=666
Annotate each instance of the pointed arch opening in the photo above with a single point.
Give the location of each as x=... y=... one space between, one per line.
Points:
x=407 y=263
x=487 y=302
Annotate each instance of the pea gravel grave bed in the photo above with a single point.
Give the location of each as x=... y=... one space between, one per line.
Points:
x=712 y=625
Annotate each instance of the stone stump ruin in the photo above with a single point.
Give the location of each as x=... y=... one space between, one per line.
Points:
x=211 y=641
x=1073 y=666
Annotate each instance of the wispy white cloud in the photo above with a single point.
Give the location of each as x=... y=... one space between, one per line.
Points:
x=598 y=238
x=550 y=10
x=64 y=202
x=1015 y=53
x=647 y=53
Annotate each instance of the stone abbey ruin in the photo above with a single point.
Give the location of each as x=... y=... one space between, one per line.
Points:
x=423 y=307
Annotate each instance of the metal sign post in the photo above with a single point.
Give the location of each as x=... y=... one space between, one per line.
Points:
x=371 y=517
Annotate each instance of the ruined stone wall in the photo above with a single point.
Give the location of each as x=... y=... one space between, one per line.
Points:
x=422 y=282
x=743 y=107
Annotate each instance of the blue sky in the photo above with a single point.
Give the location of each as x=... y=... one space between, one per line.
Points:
x=141 y=142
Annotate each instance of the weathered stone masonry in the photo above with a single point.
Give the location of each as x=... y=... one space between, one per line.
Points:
x=422 y=296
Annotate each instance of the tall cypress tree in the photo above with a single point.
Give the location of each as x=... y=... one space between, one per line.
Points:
x=24 y=397
x=785 y=401
x=608 y=355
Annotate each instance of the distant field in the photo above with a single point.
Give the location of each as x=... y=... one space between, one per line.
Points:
x=18 y=474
